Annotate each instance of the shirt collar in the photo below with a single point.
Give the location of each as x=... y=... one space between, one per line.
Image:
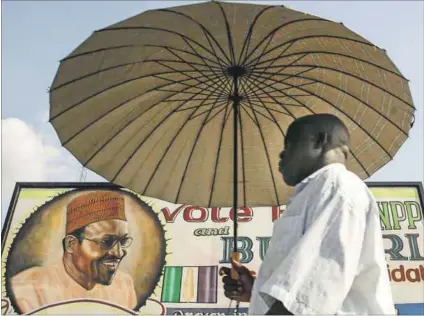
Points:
x=300 y=186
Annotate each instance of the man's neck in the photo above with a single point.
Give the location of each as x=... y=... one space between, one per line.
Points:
x=78 y=276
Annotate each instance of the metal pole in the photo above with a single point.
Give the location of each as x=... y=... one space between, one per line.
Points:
x=236 y=102
x=235 y=159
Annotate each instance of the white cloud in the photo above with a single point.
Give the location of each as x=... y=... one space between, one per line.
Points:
x=24 y=155
x=30 y=155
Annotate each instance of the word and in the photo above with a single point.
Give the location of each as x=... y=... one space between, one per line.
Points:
x=212 y=231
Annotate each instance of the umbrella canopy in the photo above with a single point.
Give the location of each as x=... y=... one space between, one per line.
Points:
x=158 y=102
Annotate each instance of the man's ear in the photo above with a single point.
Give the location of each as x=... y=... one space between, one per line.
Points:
x=345 y=151
x=70 y=243
x=322 y=140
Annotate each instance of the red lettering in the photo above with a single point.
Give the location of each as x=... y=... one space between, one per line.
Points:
x=170 y=217
x=416 y=275
x=401 y=277
x=244 y=214
x=277 y=212
x=215 y=216
x=188 y=214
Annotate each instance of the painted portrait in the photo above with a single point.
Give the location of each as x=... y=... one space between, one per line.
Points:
x=104 y=245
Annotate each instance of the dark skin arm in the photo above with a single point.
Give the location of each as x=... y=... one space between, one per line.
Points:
x=241 y=289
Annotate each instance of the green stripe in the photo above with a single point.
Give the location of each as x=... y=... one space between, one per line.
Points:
x=395 y=193
x=172 y=284
x=40 y=193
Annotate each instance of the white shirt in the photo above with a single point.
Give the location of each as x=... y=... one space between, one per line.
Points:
x=326 y=254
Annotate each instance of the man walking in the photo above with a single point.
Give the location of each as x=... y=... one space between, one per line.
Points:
x=326 y=254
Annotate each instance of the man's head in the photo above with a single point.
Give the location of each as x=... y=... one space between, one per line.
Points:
x=96 y=236
x=312 y=142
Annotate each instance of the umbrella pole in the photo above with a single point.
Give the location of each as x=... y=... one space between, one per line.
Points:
x=236 y=101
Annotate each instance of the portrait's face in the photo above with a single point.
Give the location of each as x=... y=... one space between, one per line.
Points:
x=100 y=252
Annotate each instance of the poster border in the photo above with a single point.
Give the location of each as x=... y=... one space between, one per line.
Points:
x=108 y=185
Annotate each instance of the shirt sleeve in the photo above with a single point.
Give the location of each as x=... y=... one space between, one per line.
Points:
x=318 y=273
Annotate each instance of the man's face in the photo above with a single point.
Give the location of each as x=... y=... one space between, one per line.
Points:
x=299 y=157
x=92 y=256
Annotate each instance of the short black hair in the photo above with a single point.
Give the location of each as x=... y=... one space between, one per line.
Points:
x=320 y=123
x=78 y=234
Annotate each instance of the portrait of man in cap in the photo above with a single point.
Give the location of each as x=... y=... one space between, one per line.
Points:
x=96 y=241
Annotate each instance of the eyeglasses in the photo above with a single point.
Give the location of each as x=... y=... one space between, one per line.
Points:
x=109 y=242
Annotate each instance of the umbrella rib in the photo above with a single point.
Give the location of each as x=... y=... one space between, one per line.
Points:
x=207 y=82
x=121 y=104
x=252 y=69
x=123 y=65
x=249 y=105
x=287 y=78
x=267 y=156
x=154 y=29
x=284 y=89
x=263 y=105
x=255 y=110
x=346 y=92
x=147 y=137
x=199 y=106
x=275 y=100
x=200 y=99
x=224 y=121
x=340 y=110
x=167 y=149
x=337 y=54
x=214 y=53
x=190 y=63
x=191 y=154
x=314 y=36
x=248 y=114
x=353 y=155
x=104 y=90
x=229 y=36
x=126 y=125
x=272 y=32
x=215 y=106
x=216 y=114
x=248 y=37
x=188 y=92
x=350 y=75
x=186 y=52
x=204 y=29
x=201 y=57
x=194 y=67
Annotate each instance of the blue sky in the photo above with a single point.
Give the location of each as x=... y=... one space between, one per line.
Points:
x=37 y=34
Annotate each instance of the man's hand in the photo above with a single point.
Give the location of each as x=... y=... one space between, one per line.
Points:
x=241 y=289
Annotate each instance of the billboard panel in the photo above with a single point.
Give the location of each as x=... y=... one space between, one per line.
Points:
x=60 y=253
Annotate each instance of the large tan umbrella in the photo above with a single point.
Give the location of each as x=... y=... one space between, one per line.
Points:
x=153 y=103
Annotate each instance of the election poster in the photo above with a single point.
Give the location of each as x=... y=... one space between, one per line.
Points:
x=96 y=248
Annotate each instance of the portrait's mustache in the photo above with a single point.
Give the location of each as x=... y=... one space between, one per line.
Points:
x=112 y=258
